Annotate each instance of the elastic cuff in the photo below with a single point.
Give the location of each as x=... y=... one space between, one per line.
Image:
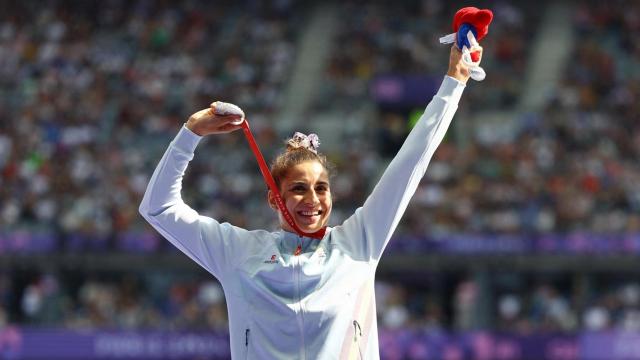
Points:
x=451 y=89
x=186 y=140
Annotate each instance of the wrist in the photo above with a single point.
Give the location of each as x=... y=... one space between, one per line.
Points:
x=193 y=126
x=459 y=74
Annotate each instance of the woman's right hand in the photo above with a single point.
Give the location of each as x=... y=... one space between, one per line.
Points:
x=207 y=122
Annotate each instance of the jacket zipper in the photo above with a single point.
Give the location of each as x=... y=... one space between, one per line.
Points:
x=357 y=334
x=246 y=343
x=296 y=277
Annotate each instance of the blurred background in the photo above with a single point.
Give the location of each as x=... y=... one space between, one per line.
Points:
x=522 y=241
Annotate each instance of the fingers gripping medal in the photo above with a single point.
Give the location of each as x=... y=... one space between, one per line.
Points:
x=222 y=108
x=470 y=25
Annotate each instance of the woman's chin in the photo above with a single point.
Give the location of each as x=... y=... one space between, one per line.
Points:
x=309 y=225
x=309 y=229
x=306 y=225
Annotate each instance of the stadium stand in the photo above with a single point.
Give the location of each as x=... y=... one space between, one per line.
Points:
x=92 y=92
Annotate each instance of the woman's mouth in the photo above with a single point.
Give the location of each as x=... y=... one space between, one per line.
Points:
x=309 y=217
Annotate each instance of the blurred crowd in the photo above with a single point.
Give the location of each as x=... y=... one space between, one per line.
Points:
x=544 y=306
x=376 y=39
x=124 y=301
x=572 y=167
x=521 y=305
x=92 y=95
x=93 y=92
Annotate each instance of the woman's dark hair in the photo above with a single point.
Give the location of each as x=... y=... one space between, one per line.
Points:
x=296 y=154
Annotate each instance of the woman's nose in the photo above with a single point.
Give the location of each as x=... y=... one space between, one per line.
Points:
x=312 y=198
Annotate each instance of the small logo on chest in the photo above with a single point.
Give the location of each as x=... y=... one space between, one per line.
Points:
x=321 y=253
x=272 y=260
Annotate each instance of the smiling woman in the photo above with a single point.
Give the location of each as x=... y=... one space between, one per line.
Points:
x=291 y=296
x=302 y=176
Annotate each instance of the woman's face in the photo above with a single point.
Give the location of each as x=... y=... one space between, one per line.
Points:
x=307 y=196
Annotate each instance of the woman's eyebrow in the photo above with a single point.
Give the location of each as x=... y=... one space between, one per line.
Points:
x=297 y=183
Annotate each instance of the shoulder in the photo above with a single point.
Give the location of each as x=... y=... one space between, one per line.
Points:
x=251 y=238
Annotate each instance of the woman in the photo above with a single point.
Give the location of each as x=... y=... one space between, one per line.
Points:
x=290 y=296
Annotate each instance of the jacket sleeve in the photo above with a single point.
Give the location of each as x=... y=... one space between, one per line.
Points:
x=203 y=239
x=366 y=233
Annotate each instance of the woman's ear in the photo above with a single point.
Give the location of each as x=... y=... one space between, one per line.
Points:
x=272 y=200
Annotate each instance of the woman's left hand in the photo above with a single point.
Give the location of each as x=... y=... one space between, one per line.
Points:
x=458 y=69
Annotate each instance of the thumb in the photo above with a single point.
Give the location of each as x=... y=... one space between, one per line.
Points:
x=223 y=108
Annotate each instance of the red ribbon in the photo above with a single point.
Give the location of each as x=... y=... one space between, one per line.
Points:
x=266 y=174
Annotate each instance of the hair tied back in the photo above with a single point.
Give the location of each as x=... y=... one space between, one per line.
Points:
x=310 y=142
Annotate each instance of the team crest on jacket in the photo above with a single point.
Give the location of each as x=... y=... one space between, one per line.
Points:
x=273 y=260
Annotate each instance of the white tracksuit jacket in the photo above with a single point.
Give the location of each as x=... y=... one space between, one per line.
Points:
x=319 y=304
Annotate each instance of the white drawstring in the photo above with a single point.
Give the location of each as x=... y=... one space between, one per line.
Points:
x=477 y=73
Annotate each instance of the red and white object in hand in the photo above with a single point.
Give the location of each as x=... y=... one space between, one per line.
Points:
x=470 y=25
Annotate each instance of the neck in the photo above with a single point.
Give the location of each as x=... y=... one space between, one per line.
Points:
x=317 y=234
